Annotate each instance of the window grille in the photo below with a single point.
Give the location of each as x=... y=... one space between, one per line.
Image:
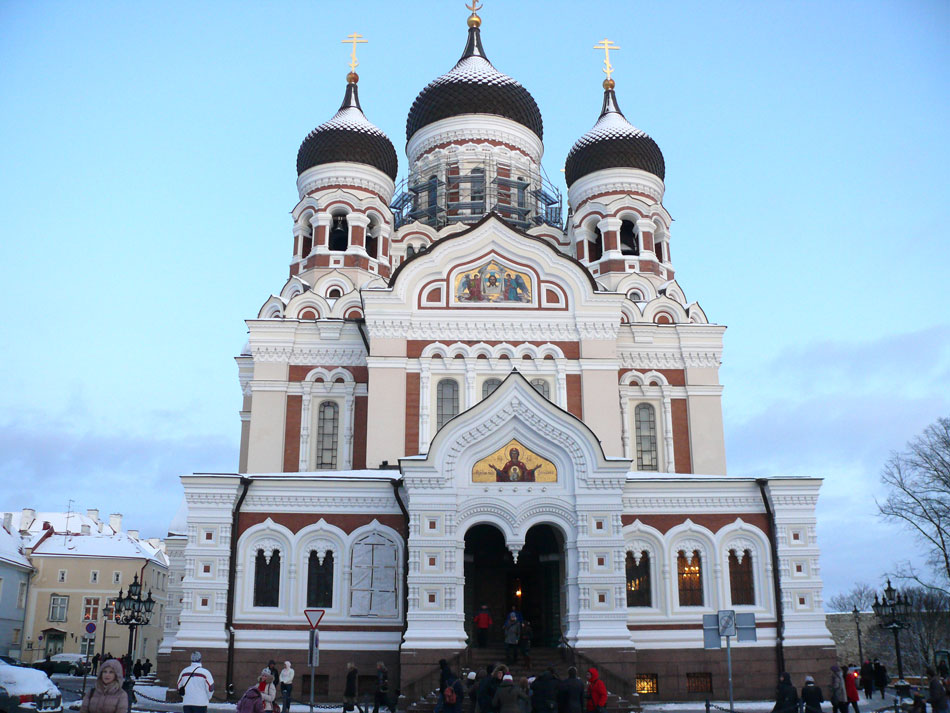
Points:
x=638 y=581
x=741 y=583
x=267 y=579
x=699 y=682
x=320 y=581
x=328 y=424
x=690 y=578
x=542 y=387
x=647 y=683
x=447 y=402
x=489 y=386
x=645 y=417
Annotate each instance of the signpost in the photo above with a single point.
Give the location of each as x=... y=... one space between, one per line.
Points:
x=727 y=623
x=313 y=617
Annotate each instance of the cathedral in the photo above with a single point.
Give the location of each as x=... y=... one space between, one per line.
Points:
x=463 y=396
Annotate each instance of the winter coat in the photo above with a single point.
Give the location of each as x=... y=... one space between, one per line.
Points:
x=596 y=691
x=486 y=693
x=198 y=683
x=349 y=690
x=851 y=686
x=507 y=698
x=103 y=698
x=512 y=632
x=456 y=686
x=838 y=693
x=382 y=680
x=786 y=697
x=938 y=694
x=812 y=698
x=570 y=695
x=483 y=619
x=251 y=701
x=269 y=693
x=544 y=693
x=867 y=675
x=286 y=676
x=881 y=678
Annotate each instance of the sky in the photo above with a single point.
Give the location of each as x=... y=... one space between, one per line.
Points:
x=148 y=173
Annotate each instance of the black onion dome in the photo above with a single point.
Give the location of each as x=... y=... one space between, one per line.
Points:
x=613 y=142
x=350 y=137
x=474 y=86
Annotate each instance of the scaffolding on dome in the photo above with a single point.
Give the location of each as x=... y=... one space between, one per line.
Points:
x=465 y=191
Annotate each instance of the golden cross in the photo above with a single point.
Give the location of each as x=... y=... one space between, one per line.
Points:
x=474 y=7
x=354 y=39
x=606 y=45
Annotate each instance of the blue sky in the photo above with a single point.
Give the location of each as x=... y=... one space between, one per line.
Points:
x=148 y=173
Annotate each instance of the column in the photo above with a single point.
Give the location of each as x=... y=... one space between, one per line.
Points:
x=624 y=423
x=471 y=398
x=610 y=230
x=349 y=416
x=424 y=398
x=305 y=402
x=320 y=224
x=645 y=228
x=668 y=430
x=357 y=223
x=561 y=385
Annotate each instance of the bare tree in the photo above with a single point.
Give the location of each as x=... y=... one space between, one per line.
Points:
x=860 y=596
x=918 y=484
x=927 y=626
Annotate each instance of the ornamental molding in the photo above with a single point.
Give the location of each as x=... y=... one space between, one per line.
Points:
x=707 y=503
x=472 y=127
x=268 y=544
x=617 y=181
x=638 y=545
x=320 y=504
x=478 y=330
x=340 y=173
x=689 y=546
x=321 y=546
x=740 y=545
x=337 y=356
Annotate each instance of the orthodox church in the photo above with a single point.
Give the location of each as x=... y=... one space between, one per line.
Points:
x=461 y=397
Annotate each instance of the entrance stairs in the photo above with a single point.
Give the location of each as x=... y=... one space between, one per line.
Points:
x=540 y=658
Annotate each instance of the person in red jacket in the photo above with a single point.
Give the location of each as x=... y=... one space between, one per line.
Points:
x=851 y=686
x=596 y=692
x=483 y=623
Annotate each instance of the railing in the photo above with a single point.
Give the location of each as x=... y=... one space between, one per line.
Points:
x=616 y=683
x=422 y=685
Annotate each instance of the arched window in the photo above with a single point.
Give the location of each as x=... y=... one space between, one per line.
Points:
x=334 y=293
x=447 y=402
x=410 y=251
x=339 y=234
x=320 y=581
x=659 y=251
x=595 y=248
x=373 y=578
x=635 y=296
x=372 y=237
x=307 y=241
x=267 y=579
x=542 y=387
x=629 y=245
x=489 y=386
x=689 y=575
x=638 y=581
x=741 y=583
x=328 y=425
x=645 y=418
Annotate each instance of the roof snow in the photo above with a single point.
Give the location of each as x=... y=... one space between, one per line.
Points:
x=11 y=549
x=119 y=545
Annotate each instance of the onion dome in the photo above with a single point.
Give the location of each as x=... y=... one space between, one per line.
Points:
x=474 y=86
x=613 y=142
x=349 y=137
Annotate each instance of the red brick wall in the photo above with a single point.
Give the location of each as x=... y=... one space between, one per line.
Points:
x=292 y=435
x=574 y=400
x=298 y=372
x=359 y=432
x=681 y=447
x=296 y=521
x=412 y=414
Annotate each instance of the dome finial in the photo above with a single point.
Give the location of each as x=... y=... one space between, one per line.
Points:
x=474 y=20
x=607 y=45
x=354 y=39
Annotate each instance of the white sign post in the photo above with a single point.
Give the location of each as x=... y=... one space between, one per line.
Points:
x=313 y=655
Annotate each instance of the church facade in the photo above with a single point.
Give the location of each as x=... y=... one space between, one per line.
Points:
x=461 y=397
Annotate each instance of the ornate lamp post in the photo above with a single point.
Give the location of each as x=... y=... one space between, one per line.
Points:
x=857 y=626
x=891 y=610
x=133 y=611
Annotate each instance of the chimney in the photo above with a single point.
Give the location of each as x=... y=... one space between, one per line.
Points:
x=27 y=518
x=99 y=526
x=115 y=521
x=134 y=534
x=93 y=514
x=86 y=530
x=8 y=521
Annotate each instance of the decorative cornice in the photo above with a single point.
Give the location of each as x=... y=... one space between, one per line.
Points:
x=333 y=175
x=336 y=356
x=469 y=127
x=616 y=180
x=690 y=504
x=503 y=329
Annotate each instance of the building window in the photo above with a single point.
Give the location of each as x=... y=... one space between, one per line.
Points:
x=267 y=579
x=61 y=576
x=339 y=234
x=410 y=251
x=21 y=596
x=87 y=645
x=57 y=607
x=90 y=609
x=542 y=387
x=628 y=238
x=328 y=423
x=489 y=386
x=94 y=576
x=689 y=574
x=645 y=418
x=447 y=402
x=741 y=583
x=638 y=581
x=478 y=190
x=595 y=247
x=373 y=578
x=117 y=578
x=320 y=581
x=699 y=682
x=15 y=637
x=647 y=683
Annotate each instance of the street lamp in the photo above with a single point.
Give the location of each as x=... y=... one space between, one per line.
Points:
x=857 y=625
x=133 y=611
x=890 y=611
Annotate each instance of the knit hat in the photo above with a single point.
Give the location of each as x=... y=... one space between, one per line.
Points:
x=196 y=657
x=809 y=679
x=507 y=677
x=471 y=675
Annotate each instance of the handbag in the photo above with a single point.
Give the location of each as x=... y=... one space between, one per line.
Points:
x=181 y=688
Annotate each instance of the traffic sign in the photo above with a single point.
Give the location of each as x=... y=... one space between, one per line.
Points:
x=727 y=622
x=314 y=616
x=91 y=627
x=314 y=659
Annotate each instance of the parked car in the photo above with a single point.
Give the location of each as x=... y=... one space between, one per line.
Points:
x=13 y=662
x=33 y=691
x=73 y=664
x=8 y=703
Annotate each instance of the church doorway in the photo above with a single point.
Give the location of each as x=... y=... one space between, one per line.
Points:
x=533 y=585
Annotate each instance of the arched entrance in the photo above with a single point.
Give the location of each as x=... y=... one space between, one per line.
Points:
x=533 y=584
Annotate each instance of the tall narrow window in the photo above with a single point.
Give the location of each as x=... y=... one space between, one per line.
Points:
x=410 y=251
x=372 y=238
x=339 y=234
x=638 y=580
x=741 y=583
x=489 y=386
x=478 y=190
x=522 y=192
x=267 y=579
x=542 y=387
x=306 y=239
x=689 y=575
x=628 y=238
x=447 y=402
x=432 y=195
x=57 y=607
x=595 y=248
x=659 y=251
x=328 y=424
x=320 y=581
x=645 y=418
x=373 y=578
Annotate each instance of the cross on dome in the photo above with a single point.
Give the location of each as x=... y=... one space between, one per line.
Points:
x=607 y=45
x=474 y=20
x=354 y=38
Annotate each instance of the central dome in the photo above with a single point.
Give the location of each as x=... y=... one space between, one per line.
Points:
x=474 y=86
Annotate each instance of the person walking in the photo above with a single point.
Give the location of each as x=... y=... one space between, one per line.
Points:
x=349 y=688
x=880 y=677
x=146 y=667
x=196 y=685
x=524 y=684
x=137 y=668
x=544 y=692
x=839 y=694
x=937 y=693
x=786 y=697
x=286 y=680
x=867 y=679
x=570 y=693
x=251 y=701
x=508 y=696
x=812 y=697
x=851 y=687
x=107 y=696
x=453 y=694
x=486 y=690
x=381 y=691
x=471 y=691
x=265 y=684
x=483 y=623
x=95 y=664
x=596 y=692
x=512 y=638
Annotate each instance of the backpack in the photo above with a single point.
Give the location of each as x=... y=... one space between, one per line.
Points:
x=449 y=695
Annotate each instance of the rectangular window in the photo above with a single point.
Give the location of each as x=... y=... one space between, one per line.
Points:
x=373 y=577
x=648 y=683
x=447 y=402
x=57 y=607
x=699 y=682
x=645 y=419
x=328 y=423
x=21 y=596
x=61 y=576
x=638 y=580
x=690 y=577
x=117 y=578
x=90 y=609
x=87 y=645
x=15 y=637
x=94 y=576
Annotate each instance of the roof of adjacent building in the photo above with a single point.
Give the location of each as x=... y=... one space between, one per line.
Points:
x=58 y=522
x=118 y=545
x=11 y=549
x=613 y=142
x=474 y=86
x=348 y=136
